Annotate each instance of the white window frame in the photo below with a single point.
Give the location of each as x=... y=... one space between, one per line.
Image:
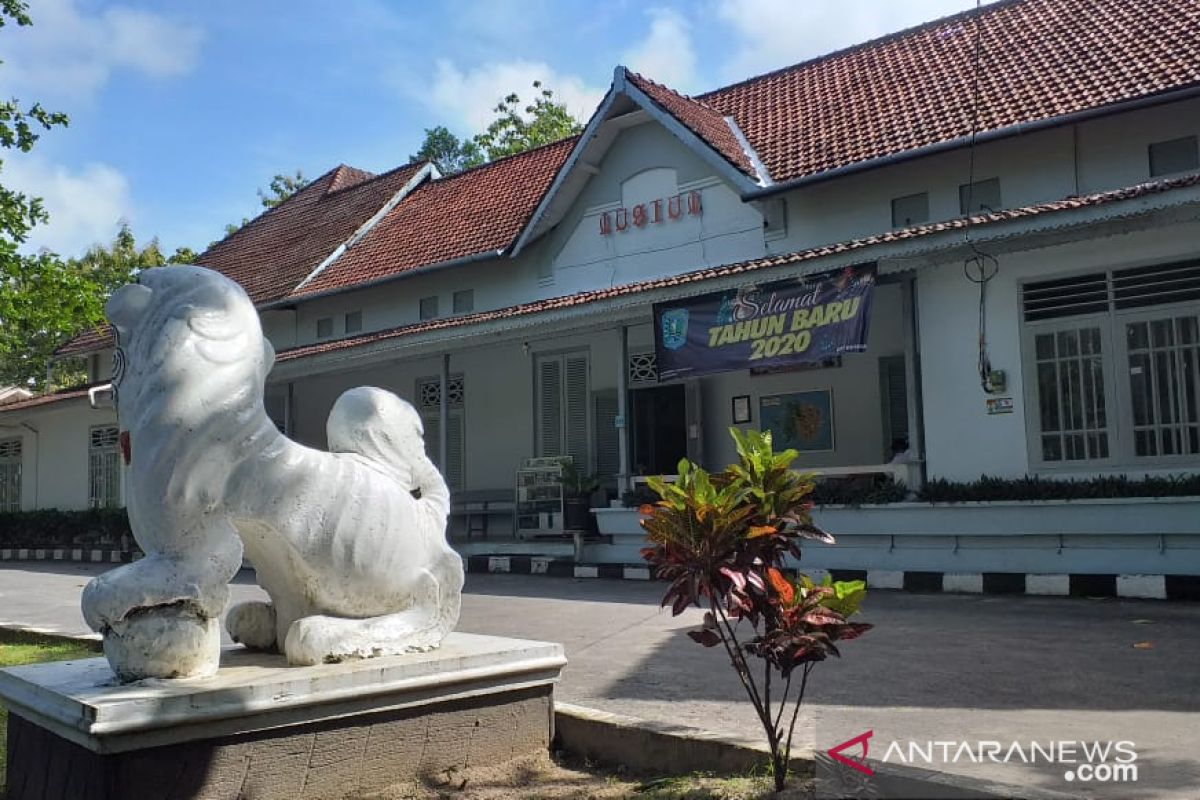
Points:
x=11 y=453
x=107 y=457
x=1118 y=390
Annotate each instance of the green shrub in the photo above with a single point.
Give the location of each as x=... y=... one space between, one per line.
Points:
x=52 y=528
x=1032 y=487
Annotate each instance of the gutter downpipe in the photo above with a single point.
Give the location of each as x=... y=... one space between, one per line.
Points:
x=987 y=136
x=454 y=262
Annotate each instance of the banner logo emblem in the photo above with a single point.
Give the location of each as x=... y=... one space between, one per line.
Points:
x=674 y=328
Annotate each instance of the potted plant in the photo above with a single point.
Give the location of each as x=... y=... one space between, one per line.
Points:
x=578 y=487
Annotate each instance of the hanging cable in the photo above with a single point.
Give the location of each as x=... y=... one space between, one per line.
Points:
x=984 y=265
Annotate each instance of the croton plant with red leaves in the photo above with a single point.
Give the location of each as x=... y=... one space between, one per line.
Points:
x=722 y=540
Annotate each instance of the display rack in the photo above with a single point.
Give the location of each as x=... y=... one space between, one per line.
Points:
x=540 y=497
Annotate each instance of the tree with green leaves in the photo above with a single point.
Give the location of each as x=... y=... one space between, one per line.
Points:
x=545 y=120
x=514 y=130
x=281 y=188
x=38 y=298
x=46 y=300
x=447 y=152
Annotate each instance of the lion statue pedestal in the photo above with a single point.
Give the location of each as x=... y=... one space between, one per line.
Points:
x=350 y=679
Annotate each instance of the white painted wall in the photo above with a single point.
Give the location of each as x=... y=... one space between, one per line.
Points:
x=962 y=440
x=54 y=468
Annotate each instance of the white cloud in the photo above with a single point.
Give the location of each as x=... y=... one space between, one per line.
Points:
x=470 y=96
x=666 y=54
x=770 y=34
x=85 y=206
x=71 y=51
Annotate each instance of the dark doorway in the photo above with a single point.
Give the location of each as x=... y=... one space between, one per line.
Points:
x=659 y=429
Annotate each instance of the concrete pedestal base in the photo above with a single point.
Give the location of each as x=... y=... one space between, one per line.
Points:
x=262 y=729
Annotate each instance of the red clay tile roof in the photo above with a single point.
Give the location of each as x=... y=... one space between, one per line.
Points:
x=97 y=338
x=275 y=251
x=583 y=298
x=700 y=119
x=47 y=399
x=473 y=212
x=278 y=249
x=1040 y=59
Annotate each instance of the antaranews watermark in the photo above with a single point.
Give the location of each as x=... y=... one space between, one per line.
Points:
x=1092 y=761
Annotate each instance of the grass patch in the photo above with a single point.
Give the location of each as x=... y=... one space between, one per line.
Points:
x=17 y=648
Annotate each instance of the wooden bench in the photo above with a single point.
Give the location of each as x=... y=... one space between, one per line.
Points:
x=477 y=506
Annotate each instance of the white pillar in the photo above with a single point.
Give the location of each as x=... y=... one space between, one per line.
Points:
x=622 y=420
x=912 y=382
x=444 y=414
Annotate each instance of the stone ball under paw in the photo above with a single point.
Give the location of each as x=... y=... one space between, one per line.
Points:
x=163 y=642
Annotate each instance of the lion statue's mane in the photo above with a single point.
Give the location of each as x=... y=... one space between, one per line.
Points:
x=355 y=565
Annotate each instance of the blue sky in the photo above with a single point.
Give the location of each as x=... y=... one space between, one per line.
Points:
x=181 y=110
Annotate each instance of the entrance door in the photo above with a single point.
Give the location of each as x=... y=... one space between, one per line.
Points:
x=659 y=417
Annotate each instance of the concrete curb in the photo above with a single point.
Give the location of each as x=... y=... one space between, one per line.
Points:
x=1148 y=587
x=656 y=747
x=662 y=749
x=90 y=639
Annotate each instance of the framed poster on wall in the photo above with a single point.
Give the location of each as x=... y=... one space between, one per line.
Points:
x=741 y=409
x=799 y=420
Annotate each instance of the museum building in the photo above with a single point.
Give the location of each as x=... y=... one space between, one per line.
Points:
x=969 y=248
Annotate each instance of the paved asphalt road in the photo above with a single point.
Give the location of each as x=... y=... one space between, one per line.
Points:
x=936 y=668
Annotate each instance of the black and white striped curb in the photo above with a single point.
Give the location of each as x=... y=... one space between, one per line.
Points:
x=87 y=555
x=1158 y=587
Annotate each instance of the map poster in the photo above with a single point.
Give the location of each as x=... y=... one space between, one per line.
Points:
x=800 y=420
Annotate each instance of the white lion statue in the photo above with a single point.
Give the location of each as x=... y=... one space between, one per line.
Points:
x=354 y=563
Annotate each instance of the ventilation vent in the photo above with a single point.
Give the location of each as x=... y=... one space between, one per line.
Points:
x=1066 y=297
x=1157 y=284
x=643 y=367
x=10 y=448
x=103 y=437
x=429 y=393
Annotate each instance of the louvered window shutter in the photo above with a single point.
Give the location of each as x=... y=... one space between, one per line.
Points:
x=604 y=402
x=455 y=448
x=549 y=402
x=433 y=441
x=893 y=395
x=575 y=401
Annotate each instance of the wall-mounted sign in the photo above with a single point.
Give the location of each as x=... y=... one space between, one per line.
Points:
x=802 y=320
x=1000 y=405
x=654 y=212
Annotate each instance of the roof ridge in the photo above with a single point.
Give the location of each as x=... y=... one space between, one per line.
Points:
x=509 y=157
x=254 y=222
x=870 y=43
x=362 y=175
x=676 y=92
x=376 y=178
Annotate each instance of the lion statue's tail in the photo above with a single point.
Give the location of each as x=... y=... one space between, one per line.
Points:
x=386 y=431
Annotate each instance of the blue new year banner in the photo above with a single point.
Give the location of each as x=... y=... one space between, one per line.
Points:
x=797 y=321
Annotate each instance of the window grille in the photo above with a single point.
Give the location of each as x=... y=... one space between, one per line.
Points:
x=1072 y=407
x=10 y=474
x=104 y=467
x=1164 y=378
